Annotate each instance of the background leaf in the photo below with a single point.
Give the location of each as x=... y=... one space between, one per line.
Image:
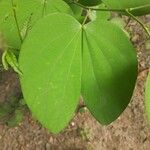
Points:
x=99 y=15
x=51 y=70
x=109 y=70
x=7 y=24
x=78 y=12
x=144 y=5
x=27 y=13
x=89 y=2
x=147 y=97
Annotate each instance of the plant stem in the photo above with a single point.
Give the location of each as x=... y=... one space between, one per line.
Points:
x=128 y=11
x=137 y=20
x=15 y=17
x=139 y=7
x=98 y=9
x=86 y=17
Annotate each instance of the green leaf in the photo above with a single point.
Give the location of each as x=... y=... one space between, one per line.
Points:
x=51 y=79
x=138 y=7
x=119 y=22
x=12 y=61
x=7 y=24
x=53 y=6
x=4 y=61
x=9 y=59
x=27 y=13
x=109 y=70
x=37 y=8
x=77 y=12
x=147 y=97
x=99 y=15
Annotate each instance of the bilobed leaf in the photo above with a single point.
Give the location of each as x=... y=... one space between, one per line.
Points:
x=51 y=79
x=109 y=70
x=142 y=6
x=147 y=97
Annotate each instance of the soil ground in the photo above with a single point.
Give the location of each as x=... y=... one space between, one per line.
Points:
x=129 y=132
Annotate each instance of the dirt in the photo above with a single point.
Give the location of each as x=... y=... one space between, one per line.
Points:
x=129 y=132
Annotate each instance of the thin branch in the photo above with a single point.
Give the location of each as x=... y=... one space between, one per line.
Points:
x=28 y=26
x=139 y=7
x=17 y=24
x=128 y=11
x=98 y=9
x=141 y=23
x=85 y=19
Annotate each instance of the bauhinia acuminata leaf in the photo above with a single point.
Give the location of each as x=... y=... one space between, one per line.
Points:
x=51 y=79
x=109 y=70
x=52 y=69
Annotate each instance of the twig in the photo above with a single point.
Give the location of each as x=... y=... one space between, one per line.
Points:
x=141 y=23
x=98 y=9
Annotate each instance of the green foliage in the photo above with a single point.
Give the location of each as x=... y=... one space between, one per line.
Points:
x=26 y=13
x=85 y=2
x=104 y=66
x=68 y=51
x=99 y=15
x=57 y=71
x=7 y=24
x=9 y=59
x=78 y=11
x=137 y=7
